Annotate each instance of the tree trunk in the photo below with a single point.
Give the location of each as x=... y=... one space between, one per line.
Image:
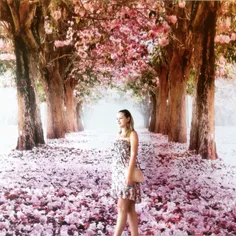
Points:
x=178 y=74
x=55 y=102
x=29 y=121
x=71 y=120
x=145 y=109
x=79 y=116
x=179 y=68
x=154 y=102
x=161 y=121
x=202 y=135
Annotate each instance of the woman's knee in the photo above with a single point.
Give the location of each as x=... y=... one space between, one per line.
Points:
x=124 y=206
x=131 y=207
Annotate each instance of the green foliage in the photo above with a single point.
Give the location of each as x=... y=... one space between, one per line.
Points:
x=190 y=83
x=142 y=87
x=7 y=66
x=40 y=91
x=7 y=73
x=88 y=84
x=230 y=52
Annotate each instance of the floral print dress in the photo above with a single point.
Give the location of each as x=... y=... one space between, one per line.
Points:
x=120 y=160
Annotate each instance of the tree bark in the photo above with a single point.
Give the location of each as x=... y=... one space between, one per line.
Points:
x=145 y=109
x=202 y=134
x=178 y=74
x=179 y=70
x=54 y=89
x=70 y=103
x=29 y=121
x=152 y=124
x=161 y=120
x=79 y=116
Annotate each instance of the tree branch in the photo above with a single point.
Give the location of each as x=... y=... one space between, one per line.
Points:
x=4 y=12
x=29 y=37
x=15 y=16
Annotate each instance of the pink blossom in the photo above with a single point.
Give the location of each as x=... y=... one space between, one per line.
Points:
x=125 y=30
x=172 y=19
x=152 y=33
x=182 y=4
x=7 y=57
x=27 y=228
x=217 y=38
x=57 y=15
x=64 y=230
x=43 y=219
x=90 y=232
x=3 y=45
x=166 y=26
x=36 y=214
x=2 y=225
x=47 y=27
x=226 y=39
x=163 y=41
x=222 y=60
x=82 y=53
x=100 y=226
x=80 y=11
x=59 y=43
x=114 y=56
x=72 y=227
x=233 y=37
x=222 y=38
x=159 y=29
x=124 y=71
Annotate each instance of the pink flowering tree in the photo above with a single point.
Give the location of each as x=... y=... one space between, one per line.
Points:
x=7 y=61
x=202 y=135
x=87 y=90
x=126 y=27
x=161 y=63
x=225 y=40
x=143 y=90
x=17 y=18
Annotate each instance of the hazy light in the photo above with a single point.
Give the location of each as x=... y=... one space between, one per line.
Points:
x=102 y=115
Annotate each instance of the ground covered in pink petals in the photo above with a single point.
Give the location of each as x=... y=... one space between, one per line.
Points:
x=63 y=188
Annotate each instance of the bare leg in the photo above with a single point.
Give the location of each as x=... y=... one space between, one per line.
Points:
x=123 y=208
x=133 y=220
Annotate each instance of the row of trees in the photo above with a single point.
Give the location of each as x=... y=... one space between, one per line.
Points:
x=77 y=45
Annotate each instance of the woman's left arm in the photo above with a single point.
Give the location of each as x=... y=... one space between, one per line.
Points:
x=133 y=154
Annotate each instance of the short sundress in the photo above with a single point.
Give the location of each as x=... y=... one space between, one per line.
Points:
x=120 y=160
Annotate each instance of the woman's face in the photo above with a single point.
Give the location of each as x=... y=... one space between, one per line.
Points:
x=122 y=121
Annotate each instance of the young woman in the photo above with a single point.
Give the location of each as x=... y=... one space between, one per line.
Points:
x=123 y=188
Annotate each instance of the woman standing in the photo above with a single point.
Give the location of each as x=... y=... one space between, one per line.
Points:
x=123 y=188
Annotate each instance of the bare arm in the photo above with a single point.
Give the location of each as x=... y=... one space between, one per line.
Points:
x=133 y=154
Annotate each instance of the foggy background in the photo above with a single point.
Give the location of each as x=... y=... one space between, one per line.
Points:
x=101 y=117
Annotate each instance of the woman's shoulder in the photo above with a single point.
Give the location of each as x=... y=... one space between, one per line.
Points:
x=133 y=135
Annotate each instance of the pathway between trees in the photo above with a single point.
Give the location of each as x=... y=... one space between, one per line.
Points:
x=62 y=188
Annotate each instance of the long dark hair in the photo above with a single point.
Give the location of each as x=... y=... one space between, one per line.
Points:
x=130 y=127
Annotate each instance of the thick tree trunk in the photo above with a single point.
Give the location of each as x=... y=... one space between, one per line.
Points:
x=152 y=124
x=161 y=120
x=71 y=120
x=179 y=68
x=145 y=109
x=202 y=135
x=29 y=121
x=79 y=116
x=55 y=102
x=146 y=120
x=178 y=74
